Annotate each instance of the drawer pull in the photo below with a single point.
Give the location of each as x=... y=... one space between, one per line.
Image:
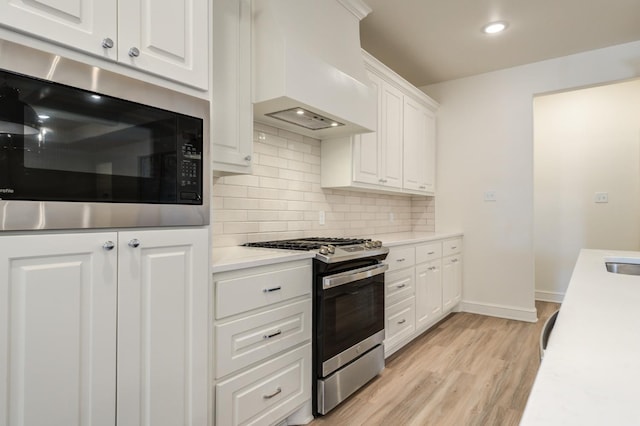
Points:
x=431 y=252
x=277 y=391
x=454 y=260
x=272 y=289
x=402 y=259
x=401 y=286
x=453 y=247
x=269 y=336
x=432 y=268
x=402 y=321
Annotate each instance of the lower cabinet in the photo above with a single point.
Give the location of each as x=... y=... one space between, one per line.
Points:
x=422 y=287
x=104 y=328
x=262 y=328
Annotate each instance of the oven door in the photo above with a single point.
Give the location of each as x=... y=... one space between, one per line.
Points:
x=351 y=315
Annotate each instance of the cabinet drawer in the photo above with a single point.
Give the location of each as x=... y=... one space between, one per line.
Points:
x=428 y=252
x=399 y=285
x=452 y=246
x=253 y=338
x=401 y=257
x=263 y=287
x=400 y=322
x=265 y=394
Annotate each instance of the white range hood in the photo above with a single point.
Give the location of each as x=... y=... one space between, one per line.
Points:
x=307 y=60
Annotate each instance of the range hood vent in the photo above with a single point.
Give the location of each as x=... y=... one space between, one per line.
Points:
x=305 y=118
x=308 y=67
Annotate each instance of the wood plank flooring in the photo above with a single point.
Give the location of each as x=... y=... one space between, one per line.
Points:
x=468 y=370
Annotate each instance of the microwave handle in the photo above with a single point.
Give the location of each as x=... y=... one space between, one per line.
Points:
x=354 y=275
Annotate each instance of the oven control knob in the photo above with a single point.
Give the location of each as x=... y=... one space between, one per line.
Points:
x=377 y=243
x=324 y=250
x=331 y=248
x=369 y=244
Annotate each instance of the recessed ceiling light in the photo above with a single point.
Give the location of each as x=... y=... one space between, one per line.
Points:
x=494 y=27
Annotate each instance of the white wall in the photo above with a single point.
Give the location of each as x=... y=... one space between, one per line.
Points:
x=585 y=141
x=485 y=142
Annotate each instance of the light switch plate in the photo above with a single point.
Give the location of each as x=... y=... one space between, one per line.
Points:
x=321 y=217
x=601 y=197
x=490 y=196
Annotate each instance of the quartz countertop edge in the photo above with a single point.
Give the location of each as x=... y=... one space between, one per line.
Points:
x=405 y=238
x=239 y=257
x=591 y=367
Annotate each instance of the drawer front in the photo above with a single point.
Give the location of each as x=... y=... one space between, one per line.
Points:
x=400 y=322
x=428 y=252
x=265 y=394
x=453 y=246
x=253 y=338
x=263 y=287
x=401 y=257
x=399 y=285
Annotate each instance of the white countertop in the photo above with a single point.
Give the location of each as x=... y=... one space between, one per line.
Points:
x=239 y=257
x=401 y=238
x=590 y=374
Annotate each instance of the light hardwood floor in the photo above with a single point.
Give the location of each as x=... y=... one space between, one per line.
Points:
x=468 y=370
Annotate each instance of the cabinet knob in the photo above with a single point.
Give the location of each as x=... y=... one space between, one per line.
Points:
x=134 y=52
x=423 y=187
x=109 y=245
x=107 y=43
x=247 y=158
x=135 y=243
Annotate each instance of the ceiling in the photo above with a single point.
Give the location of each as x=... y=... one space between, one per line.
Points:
x=429 y=41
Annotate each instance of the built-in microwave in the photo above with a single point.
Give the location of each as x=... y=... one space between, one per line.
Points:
x=83 y=147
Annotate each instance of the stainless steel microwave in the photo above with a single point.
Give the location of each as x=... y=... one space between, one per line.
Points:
x=83 y=147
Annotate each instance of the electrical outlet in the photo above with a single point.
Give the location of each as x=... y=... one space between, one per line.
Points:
x=321 y=217
x=601 y=197
x=490 y=196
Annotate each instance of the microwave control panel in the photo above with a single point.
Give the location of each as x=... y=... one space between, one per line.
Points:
x=190 y=171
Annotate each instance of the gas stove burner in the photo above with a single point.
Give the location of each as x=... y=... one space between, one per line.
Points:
x=329 y=249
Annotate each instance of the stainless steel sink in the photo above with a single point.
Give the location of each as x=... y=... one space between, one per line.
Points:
x=623 y=268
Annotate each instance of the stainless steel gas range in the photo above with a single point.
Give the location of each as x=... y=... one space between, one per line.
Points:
x=348 y=314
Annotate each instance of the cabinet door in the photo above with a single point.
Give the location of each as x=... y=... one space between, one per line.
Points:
x=366 y=151
x=57 y=330
x=232 y=110
x=428 y=175
x=79 y=24
x=171 y=38
x=392 y=128
x=162 y=327
x=451 y=282
x=419 y=147
x=428 y=293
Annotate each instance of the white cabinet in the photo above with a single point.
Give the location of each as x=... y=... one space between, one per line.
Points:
x=58 y=296
x=428 y=293
x=91 y=323
x=262 y=332
x=231 y=106
x=399 y=157
x=421 y=287
x=169 y=39
x=162 y=327
x=419 y=147
x=451 y=274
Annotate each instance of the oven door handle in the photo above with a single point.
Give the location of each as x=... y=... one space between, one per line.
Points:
x=354 y=275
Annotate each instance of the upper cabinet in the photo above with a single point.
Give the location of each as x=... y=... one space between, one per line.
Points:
x=231 y=107
x=169 y=39
x=399 y=157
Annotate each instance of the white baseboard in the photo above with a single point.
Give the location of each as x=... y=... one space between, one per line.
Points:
x=508 y=312
x=549 y=296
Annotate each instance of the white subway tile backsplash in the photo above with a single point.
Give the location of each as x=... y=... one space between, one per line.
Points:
x=283 y=198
